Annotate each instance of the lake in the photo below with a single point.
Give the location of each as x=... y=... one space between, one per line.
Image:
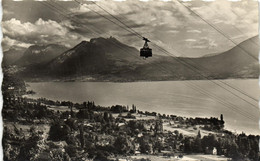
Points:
x=196 y=98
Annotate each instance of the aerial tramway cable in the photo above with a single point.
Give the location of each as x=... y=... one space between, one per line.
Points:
x=97 y=33
x=187 y=65
x=145 y=52
x=241 y=112
x=215 y=83
x=158 y=47
x=233 y=25
x=217 y=29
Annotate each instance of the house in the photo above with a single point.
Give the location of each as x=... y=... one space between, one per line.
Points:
x=211 y=150
x=214 y=151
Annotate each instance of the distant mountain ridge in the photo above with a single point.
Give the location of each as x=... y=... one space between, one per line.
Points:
x=12 y=55
x=36 y=54
x=107 y=59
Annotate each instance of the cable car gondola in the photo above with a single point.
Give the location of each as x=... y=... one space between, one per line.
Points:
x=146 y=51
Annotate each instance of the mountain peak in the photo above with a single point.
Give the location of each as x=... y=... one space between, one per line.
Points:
x=103 y=40
x=40 y=54
x=82 y=43
x=94 y=40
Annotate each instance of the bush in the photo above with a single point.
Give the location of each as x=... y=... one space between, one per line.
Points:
x=71 y=150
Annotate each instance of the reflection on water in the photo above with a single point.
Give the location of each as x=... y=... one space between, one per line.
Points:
x=186 y=98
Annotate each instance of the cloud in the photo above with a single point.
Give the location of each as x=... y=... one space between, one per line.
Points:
x=190 y=40
x=8 y=43
x=40 y=32
x=193 y=31
x=156 y=13
x=14 y=28
x=228 y=12
x=202 y=43
x=160 y=21
x=173 y=31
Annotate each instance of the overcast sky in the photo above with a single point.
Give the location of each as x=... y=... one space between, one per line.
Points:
x=168 y=24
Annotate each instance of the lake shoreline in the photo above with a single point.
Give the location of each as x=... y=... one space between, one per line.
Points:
x=161 y=96
x=132 y=81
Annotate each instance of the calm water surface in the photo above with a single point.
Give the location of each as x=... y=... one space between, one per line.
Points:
x=185 y=98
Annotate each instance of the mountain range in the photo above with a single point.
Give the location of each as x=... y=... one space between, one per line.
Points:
x=12 y=55
x=107 y=59
x=36 y=54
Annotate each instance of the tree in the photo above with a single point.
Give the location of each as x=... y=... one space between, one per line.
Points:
x=157 y=145
x=59 y=155
x=30 y=148
x=233 y=151
x=222 y=120
x=145 y=146
x=83 y=114
x=176 y=132
x=71 y=123
x=123 y=145
x=82 y=139
x=101 y=156
x=71 y=150
x=209 y=141
x=106 y=118
x=10 y=152
x=197 y=145
x=133 y=109
x=84 y=105
x=221 y=117
x=158 y=126
x=58 y=132
x=187 y=145
x=72 y=140
x=181 y=136
x=199 y=135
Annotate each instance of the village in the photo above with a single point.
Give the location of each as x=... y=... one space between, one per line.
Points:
x=42 y=129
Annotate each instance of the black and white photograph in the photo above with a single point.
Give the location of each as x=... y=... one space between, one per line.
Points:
x=130 y=80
